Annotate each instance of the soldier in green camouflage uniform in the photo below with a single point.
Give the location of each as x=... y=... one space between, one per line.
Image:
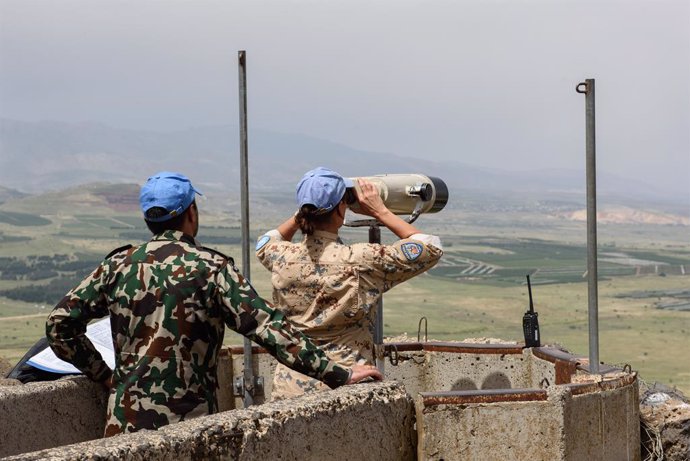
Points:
x=169 y=301
x=328 y=289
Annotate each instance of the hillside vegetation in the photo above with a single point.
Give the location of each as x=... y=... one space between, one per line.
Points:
x=478 y=289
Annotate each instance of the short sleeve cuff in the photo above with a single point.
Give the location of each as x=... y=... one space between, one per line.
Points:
x=274 y=234
x=428 y=239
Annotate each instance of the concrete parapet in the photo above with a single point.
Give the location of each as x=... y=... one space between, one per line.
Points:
x=456 y=366
x=601 y=420
x=517 y=430
x=72 y=409
x=368 y=421
x=48 y=414
x=593 y=421
x=500 y=401
x=471 y=401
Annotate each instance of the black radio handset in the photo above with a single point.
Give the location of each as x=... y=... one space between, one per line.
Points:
x=530 y=322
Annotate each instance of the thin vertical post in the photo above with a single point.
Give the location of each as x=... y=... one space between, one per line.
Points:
x=375 y=237
x=244 y=206
x=592 y=277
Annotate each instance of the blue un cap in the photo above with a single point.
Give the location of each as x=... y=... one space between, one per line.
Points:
x=322 y=188
x=172 y=191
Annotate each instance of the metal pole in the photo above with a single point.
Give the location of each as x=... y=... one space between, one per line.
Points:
x=592 y=278
x=375 y=237
x=244 y=206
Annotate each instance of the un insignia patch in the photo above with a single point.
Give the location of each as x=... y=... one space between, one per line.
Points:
x=411 y=250
x=262 y=241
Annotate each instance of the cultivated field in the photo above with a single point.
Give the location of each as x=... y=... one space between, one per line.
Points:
x=477 y=290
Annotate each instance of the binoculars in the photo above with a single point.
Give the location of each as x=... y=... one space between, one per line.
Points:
x=407 y=194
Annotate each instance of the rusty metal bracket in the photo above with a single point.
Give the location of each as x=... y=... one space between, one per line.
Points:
x=255 y=390
x=393 y=355
x=627 y=368
x=419 y=330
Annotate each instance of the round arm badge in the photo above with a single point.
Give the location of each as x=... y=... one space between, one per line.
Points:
x=262 y=241
x=411 y=250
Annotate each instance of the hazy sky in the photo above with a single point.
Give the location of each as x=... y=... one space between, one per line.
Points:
x=489 y=83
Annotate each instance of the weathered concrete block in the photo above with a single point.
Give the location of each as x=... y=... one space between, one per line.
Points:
x=368 y=421
x=48 y=414
x=507 y=431
x=600 y=423
x=486 y=401
x=356 y=423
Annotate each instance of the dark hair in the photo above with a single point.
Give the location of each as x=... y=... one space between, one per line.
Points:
x=308 y=216
x=171 y=224
x=350 y=196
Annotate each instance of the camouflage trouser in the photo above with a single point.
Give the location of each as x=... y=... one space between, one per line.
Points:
x=288 y=383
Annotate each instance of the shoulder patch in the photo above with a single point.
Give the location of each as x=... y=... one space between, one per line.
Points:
x=118 y=250
x=216 y=252
x=262 y=242
x=411 y=250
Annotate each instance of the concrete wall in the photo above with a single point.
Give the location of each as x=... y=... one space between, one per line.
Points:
x=598 y=421
x=475 y=370
x=603 y=424
x=369 y=421
x=509 y=430
x=70 y=410
x=431 y=366
x=472 y=402
x=48 y=414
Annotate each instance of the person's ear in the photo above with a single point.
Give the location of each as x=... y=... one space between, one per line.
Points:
x=191 y=213
x=196 y=211
x=342 y=208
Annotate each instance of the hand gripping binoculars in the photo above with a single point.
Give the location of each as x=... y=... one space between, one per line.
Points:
x=408 y=194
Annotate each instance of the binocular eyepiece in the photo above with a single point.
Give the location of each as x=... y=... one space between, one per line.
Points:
x=407 y=193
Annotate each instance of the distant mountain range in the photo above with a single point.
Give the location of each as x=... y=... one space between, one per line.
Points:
x=40 y=156
x=8 y=194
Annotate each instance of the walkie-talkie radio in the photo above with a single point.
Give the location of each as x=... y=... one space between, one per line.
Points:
x=530 y=322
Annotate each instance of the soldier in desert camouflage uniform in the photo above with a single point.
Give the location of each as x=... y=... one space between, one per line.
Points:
x=328 y=289
x=169 y=301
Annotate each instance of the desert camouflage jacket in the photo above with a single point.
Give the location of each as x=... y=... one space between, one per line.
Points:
x=169 y=301
x=330 y=291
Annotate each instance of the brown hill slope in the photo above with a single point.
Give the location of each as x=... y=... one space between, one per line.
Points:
x=96 y=198
x=625 y=215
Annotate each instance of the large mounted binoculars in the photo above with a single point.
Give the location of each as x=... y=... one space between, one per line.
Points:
x=408 y=194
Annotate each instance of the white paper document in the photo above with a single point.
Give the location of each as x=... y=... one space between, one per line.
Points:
x=99 y=334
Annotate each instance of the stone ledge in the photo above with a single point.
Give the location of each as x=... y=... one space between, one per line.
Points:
x=375 y=419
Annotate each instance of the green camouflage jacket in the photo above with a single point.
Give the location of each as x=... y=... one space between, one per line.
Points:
x=169 y=301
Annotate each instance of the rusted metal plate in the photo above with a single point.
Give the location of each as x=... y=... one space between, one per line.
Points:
x=607 y=385
x=483 y=396
x=565 y=369
x=403 y=347
x=471 y=348
x=565 y=364
x=460 y=348
x=551 y=354
x=239 y=350
x=434 y=346
x=603 y=368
